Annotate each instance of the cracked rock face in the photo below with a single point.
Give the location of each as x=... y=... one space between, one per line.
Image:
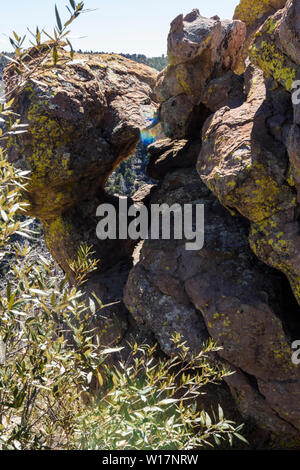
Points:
x=245 y=161
x=200 y=50
x=222 y=291
x=254 y=13
x=84 y=118
x=232 y=144
x=276 y=46
x=251 y=11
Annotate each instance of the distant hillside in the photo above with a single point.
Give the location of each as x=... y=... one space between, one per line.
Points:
x=130 y=175
x=158 y=63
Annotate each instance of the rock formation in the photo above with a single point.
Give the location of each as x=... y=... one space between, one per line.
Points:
x=248 y=308
x=232 y=140
x=200 y=51
x=84 y=118
x=253 y=14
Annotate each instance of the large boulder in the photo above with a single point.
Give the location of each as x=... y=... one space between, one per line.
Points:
x=166 y=155
x=244 y=158
x=251 y=11
x=195 y=36
x=254 y=14
x=244 y=162
x=224 y=292
x=276 y=46
x=199 y=50
x=249 y=159
x=84 y=117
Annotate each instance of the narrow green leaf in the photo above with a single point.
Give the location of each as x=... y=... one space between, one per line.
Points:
x=16 y=36
x=55 y=55
x=241 y=438
x=58 y=20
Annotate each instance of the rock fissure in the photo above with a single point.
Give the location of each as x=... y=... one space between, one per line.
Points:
x=231 y=143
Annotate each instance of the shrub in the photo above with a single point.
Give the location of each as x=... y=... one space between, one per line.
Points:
x=151 y=404
x=48 y=349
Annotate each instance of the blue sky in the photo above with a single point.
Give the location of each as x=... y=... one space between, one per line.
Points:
x=117 y=26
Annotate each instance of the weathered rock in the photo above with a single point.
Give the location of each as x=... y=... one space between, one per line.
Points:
x=199 y=50
x=236 y=145
x=84 y=118
x=294 y=155
x=289 y=31
x=246 y=306
x=227 y=90
x=174 y=290
x=276 y=46
x=193 y=36
x=244 y=162
x=166 y=155
x=249 y=11
x=253 y=13
x=153 y=294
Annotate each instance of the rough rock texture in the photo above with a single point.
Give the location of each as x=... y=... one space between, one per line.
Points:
x=84 y=118
x=250 y=11
x=193 y=36
x=167 y=154
x=244 y=162
x=200 y=50
x=232 y=143
x=276 y=46
x=224 y=291
x=83 y=122
x=254 y=14
x=246 y=306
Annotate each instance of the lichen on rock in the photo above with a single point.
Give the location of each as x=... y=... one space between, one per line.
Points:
x=249 y=11
x=232 y=144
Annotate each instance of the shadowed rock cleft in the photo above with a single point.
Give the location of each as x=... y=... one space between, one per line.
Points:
x=231 y=142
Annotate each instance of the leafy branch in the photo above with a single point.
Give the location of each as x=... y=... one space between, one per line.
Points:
x=27 y=62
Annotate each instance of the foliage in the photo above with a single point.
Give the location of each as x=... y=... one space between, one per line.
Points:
x=130 y=174
x=152 y=404
x=48 y=348
x=47 y=50
x=158 y=63
x=49 y=352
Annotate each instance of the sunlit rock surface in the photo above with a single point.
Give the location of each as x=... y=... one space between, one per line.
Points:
x=200 y=50
x=225 y=134
x=248 y=159
x=84 y=118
